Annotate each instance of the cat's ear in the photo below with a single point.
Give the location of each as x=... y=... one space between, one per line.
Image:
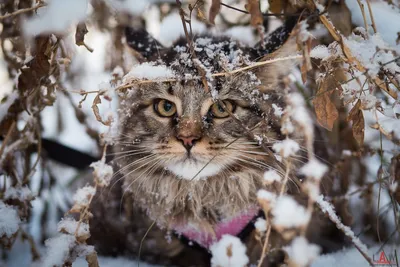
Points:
x=276 y=39
x=143 y=44
x=279 y=43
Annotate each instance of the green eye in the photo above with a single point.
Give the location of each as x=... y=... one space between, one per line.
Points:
x=217 y=111
x=164 y=108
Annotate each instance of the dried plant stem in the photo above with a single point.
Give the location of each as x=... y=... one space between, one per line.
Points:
x=327 y=208
x=5 y=141
x=372 y=16
x=351 y=59
x=286 y=178
x=363 y=15
x=218 y=74
x=21 y=11
x=201 y=71
x=266 y=241
x=269 y=225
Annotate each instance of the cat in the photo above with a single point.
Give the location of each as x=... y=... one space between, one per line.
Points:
x=184 y=156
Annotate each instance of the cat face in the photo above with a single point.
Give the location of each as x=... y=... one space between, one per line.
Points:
x=191 y=134
x=179 y=129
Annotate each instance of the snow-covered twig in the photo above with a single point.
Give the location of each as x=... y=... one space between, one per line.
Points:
x=328 y=209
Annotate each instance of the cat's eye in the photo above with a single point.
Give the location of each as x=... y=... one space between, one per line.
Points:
x=164 y=108
x=217 y=111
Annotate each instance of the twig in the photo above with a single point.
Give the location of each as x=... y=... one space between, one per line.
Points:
x=351 y=59
x=5 y=141
x=372 y=17
x=21 y=11
x=266 y=241
x=218 y=74
x=328 y=209
x=264 y=14
x=191 y=47
x=363 y=15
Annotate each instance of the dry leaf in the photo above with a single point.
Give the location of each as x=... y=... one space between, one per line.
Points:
x=96 y=111
x=325 y=110
x=80 y=33
x=92 y=260
x=357 y=117
x=214 y=10
x=253 y=7
x=275 y=6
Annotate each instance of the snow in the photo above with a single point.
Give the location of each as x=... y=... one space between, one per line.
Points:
x=149 y=71
x=169 y=32
x=133 y=7
x=57 y=16
x=372 y=53
x=261 y=225
x=287 y=213
x=304 y=34
x=320 y=52
x=83 y=196
x=314 y=169
x=385 y=16
x=9 y=220
x=271 y=176
x=102 y=172
x=243 y=34
x=4 y=106
x=278 y=111
x=286 y=148
x=391 y=126
x=352 y=257
x=58 y=249
x=266 y=195
x=229 y=252
x=70 y=225
x=20 y=193
x=301 y=253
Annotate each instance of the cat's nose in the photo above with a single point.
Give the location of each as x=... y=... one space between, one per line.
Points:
x=188 y=141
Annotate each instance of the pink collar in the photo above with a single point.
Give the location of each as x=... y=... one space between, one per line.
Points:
x=232 y=226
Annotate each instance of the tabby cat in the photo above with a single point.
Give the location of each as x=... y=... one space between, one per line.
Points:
x=184 y=157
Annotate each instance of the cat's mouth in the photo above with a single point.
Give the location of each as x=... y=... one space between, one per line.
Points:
x=192 y=167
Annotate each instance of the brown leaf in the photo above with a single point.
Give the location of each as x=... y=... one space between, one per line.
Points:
x=325 y=110
x=214 y=10
x=357 y=117
x=80 y=33
x=96 y=111
x=275 y=6
x=253 y=7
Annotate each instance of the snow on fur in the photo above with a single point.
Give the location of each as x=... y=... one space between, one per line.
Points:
x=149 y=71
